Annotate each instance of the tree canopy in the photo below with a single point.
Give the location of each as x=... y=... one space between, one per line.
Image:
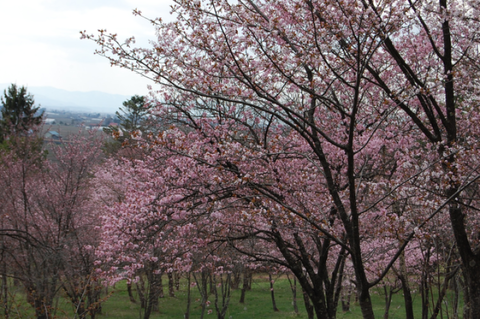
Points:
x=19 y=115
x=317 y=130
x=133 y=118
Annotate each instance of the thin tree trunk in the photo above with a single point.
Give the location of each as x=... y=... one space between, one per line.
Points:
x=424 y=287
x=272 y=293
x=441 y=294
x=237 y=274
x=388 y=301
x=176 y=275
x=225 y=289
x=130 y=294
x=161 y=293
x=203 y=290
x=171 y=291
x=94 y=304
x=293 y=287
x=189 y=299
x=346 y=301
x=212 y=285
x=4 y=292
x=141 y=292
x=456 y=295
x=244 y=286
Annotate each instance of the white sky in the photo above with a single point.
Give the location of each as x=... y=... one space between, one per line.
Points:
x=41 y=46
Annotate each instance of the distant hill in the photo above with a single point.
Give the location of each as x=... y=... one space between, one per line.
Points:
x=94 y=101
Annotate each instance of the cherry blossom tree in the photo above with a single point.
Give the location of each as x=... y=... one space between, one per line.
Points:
x=48 y=218
x=313 y=119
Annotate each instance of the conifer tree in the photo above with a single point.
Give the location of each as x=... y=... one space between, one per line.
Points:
x=132 y=118
x=18 y=112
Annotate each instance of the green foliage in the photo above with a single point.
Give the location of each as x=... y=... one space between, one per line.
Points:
x=132 y=117
x=26 y=148
x=19 y=124
x=133 y=120
x=111 y=147
x=18 y=112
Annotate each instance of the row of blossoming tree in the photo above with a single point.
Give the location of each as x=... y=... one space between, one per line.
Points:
x=48 y=214
x=336 y=139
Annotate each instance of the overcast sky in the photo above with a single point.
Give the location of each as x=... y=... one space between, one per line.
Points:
x=41 y=46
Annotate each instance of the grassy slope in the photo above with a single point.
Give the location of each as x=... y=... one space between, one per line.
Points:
x=257 y=305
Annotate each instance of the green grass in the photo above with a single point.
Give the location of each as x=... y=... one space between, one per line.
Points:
x=257 y=304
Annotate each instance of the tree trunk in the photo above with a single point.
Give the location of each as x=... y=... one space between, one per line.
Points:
x=365 y=303
x=346 y=301
x=249 y=279
x=236 y=276
x=293 y=287
x=272 y=293
x=202 y=287
x=388 y=301
x=244 y=286
x=155 y=291
x=211 y=279
x=189 y=298
x=176 y=276
x=94 y=305
x=171 y=291
x=308 y=305
x=41 y=297
x=438 y=304
x=161 y=293
x=424 y=287
x=153 y=295
x=4 y=292
x=471 y=308
x=456 y=295
x=141 y=292
x=225 y=289
x=130 y=294
x=470 y=261
x=407 y=296
x=42 y=305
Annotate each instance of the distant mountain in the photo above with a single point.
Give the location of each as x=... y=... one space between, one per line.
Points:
x=94 y=101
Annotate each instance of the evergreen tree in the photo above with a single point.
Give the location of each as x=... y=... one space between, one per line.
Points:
x=133 y=117
x=18 y=112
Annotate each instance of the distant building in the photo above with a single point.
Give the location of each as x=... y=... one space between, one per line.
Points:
x=49 y=121
x=53 y=135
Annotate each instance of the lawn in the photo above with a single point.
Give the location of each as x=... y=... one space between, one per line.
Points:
x=257 y=304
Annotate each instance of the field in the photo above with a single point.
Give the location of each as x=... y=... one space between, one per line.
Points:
x=258 y=304
x=68 y=123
